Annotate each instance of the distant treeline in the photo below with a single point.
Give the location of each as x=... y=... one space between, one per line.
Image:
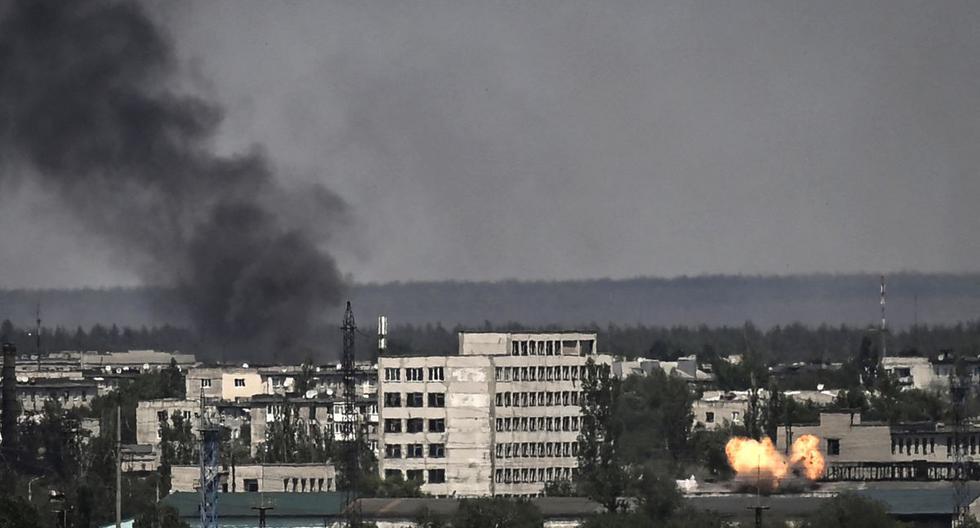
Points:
x=790 y=343
x=634 y=314
x=99 y=338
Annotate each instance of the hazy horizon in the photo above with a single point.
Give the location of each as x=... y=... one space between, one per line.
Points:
x=569 y=140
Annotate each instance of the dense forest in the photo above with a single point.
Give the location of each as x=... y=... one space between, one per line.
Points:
x=777 y=344
x=766 y=301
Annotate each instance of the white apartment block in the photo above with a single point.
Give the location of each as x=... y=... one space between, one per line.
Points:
x=501 y=417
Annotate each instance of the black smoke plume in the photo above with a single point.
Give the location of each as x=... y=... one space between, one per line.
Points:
x=88 y=111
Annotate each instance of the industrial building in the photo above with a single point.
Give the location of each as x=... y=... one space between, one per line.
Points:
x=499 y=417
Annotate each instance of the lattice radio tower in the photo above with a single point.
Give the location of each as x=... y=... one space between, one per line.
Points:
x=210 y=477
x=959 y=388
x=350 y=426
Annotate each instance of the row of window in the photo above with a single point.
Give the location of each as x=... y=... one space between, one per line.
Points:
x=537 y=449
x=927 y=446
x=162 y=415
x=537 y=399
x=206 y=382
x=415 y=425
x=518 y=475
x=415 y=399
x=436 y=476
x=415 y=451
x=550 y=347
x=415 y=374
x=53 y=395
x=559 y=373
x=538 y=423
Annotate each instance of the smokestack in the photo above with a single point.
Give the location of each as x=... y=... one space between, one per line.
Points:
x=8 y=428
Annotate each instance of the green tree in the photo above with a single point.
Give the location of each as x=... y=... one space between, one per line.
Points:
x=496 y=513
x=15 y=512
x=601 y=476
x=847 y=510
x=869 y=363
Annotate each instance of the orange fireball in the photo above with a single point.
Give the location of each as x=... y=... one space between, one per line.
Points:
x=757 y=459
x=806 y=453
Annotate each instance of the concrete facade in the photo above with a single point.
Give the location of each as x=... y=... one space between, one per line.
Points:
x=324 y=414
x=69 y=393
x=225 y=383
x=912 y=372
x=499 y=418
x=149 y=415
x=291 y=478
x=844 y=438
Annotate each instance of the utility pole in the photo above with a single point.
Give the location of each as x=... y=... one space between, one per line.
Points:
x=119 y=466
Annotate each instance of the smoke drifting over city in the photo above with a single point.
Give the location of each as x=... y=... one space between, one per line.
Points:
x=91 y=117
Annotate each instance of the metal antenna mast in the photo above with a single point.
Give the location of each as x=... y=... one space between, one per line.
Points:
x=350 y=427
x=884 y=322
x=959 y=387
x=210 y=477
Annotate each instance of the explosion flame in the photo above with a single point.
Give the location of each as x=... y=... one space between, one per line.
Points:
x=754 y=459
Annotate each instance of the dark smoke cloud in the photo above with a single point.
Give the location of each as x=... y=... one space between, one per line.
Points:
x=89 y=114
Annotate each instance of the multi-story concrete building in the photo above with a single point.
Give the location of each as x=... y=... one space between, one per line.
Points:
x=323 y=414
x=501 y=417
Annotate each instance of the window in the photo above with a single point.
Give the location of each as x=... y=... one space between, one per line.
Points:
x=833 y=446
x=436 y=374
x=413 y=451
x=392 y=374
x=414 y=475
x=393 y=474
x=252 y=485
x=162 y=416
x=393 y=425
x=437 y=450
x=437 y=399
x=735 y=416
x=393 y=399
x=437 y=476
x=709 y=417
x=393 y=451
x=413 y=374
x=239 y=382
x=437 y=425
x=415 y=425
x=413 y=399
x=205 y=382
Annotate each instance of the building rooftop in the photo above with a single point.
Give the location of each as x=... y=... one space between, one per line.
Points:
x=550 y=507
x=317 y=505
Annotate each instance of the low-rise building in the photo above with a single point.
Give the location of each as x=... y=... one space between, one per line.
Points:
x=325 y=414
x=223 y=382
x=151 y=414
x=686 y=368
x=262 y=478
x=69 y=393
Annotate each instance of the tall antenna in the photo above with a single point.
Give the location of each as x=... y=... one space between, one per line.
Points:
x=959 y=387
x=37 y=336
x=350 y=426
x=210 y=478
x=884 y=322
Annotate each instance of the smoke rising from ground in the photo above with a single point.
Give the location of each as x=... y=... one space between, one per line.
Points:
x=89 y=114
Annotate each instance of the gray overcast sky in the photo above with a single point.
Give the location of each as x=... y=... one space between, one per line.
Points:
x=562 y=139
